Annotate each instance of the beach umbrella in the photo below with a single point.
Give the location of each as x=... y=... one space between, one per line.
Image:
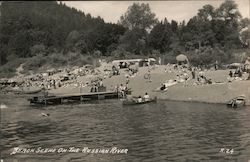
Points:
x=181 y=58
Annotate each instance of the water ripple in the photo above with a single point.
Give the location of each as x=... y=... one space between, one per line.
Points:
x=166 y=131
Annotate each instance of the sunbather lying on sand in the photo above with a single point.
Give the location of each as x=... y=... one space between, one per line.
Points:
x=164 y=86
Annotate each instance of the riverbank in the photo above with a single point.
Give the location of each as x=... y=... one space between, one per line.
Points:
x=221 y=91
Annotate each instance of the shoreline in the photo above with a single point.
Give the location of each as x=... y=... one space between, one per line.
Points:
x=216 y=93
x=196 y=101
x=158 y=99
x=219 y=92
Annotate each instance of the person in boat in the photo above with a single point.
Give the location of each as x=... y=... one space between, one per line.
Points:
x=139 y=99
x=146 y=97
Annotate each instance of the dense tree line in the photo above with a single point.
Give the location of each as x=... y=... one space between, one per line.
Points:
x=53 y=30
x=210 y=35
x=32 y=28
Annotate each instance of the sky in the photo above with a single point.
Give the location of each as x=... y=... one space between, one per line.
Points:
x=177 y=10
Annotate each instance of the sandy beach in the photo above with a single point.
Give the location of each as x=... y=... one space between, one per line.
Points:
x=221 y=91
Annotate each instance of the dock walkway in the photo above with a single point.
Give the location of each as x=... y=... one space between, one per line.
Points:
x=67 y=98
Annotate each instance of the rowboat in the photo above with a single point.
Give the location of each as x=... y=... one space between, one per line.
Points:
x=135 y=102
x=3 y=106
x=237 y=102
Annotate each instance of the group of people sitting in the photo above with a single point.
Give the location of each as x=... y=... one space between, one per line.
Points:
x=237 y=73
x=115 y=71
x=97 y=86
x=203 y=80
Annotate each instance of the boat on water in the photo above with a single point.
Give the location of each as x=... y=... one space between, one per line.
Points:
x=135 y=102
x=3 y=106
x=237 y=102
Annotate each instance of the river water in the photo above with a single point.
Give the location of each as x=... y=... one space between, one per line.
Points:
x=155 y=132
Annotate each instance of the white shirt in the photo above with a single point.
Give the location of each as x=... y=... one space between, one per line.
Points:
x=146 y=97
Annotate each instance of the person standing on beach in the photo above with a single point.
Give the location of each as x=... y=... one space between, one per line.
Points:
x=216 y=65
x=100 y=83
x=185 y=79
x=230 y=74
x=149 y=76
x=193 y=73
x=127 y=80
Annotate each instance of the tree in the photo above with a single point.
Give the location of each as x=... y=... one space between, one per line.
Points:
x=134 y=41
x=174 y=26
x=155 y=38
x=207 y=13
x=228 y=20
x=161 y=34
x=138 y=16
x=228 y=11
x=72 y=39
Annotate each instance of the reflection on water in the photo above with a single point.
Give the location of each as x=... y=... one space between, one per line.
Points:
x=165 y=131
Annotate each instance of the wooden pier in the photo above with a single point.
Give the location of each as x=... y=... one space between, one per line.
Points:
x=70 y=98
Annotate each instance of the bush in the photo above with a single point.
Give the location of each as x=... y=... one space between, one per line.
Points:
x=57 y=59
x=38 y=49
x=9 y=69
x=35 y=62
